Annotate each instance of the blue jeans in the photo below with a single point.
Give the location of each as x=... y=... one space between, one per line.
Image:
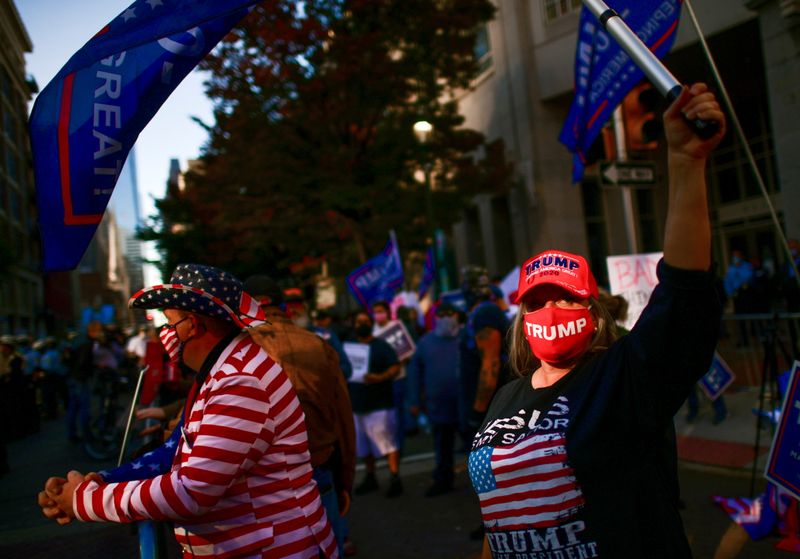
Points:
x=327 y=493
x=718 y=405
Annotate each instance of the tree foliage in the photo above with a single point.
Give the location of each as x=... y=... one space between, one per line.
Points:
x=312 y=151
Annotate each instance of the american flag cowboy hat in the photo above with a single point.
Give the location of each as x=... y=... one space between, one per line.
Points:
x=203 y=290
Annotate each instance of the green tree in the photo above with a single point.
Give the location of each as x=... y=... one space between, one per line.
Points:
x=312 y=151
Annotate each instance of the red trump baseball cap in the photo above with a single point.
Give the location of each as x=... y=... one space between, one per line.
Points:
x=569 y=272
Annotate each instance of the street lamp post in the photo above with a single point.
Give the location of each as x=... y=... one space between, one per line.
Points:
x=423 y=131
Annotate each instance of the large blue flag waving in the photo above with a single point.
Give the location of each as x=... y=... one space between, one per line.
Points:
x=604 y=73
x=87 y=119
x=379 y=278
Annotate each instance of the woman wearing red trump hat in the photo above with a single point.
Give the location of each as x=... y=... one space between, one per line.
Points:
x=576 y=457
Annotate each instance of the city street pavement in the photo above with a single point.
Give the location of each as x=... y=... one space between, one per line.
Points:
x=410 y=526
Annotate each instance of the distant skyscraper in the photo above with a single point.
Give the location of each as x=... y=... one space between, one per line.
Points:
x=126 y=206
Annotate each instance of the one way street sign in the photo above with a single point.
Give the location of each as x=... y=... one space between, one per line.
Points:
x=620 y=173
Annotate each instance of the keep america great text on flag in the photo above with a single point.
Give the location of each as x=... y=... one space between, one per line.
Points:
x=86 y=120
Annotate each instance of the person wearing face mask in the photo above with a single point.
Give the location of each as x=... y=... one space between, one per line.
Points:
x=382 y=317
x=433 y=388
x=373 y=409
x=578 y=453
x=381 y=314
x=240 y=483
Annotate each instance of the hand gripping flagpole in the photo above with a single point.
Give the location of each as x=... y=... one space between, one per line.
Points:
x=657 y=73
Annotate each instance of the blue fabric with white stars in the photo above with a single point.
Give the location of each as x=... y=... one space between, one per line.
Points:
x=151 y=464
x=480 y=469
x=212 y=281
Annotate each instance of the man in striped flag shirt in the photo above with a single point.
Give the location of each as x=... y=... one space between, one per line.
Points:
x=240 y=484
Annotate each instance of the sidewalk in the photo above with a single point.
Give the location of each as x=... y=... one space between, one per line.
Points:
x=730 y=444
x=24 y=532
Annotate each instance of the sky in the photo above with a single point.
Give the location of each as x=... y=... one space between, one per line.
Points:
x=58 y=28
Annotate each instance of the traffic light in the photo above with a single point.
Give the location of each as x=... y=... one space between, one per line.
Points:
x=642 y=125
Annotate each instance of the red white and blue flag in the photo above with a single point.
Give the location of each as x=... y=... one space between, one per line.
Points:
x=604 y=73
x=774 y=511
x=526 y=484
x=85 y=122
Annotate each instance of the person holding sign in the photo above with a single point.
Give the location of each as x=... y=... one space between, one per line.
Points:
x=373 y=409
x=578 y=453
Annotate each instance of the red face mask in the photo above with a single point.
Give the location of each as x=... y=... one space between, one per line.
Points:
x=558 y=336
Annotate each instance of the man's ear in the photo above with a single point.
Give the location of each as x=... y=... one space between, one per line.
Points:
x=198 y=326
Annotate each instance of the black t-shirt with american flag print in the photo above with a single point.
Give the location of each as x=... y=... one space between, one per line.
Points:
x=587 y=467
x=530 y=499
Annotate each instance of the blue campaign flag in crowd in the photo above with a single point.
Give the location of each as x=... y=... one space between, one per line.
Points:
x=379 y=278
x=717 y=379
x=87 y=119
x=604 y=73
x=428 y=274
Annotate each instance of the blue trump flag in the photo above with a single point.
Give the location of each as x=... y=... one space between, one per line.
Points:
x=604 y=73
x=87 y=119
x=379 y=277
x=428 y=274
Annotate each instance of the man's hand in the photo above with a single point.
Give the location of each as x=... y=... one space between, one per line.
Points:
x=50 y=509
x=62 y=493
x=373 y=378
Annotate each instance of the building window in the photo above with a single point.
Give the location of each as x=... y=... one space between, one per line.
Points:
x=483 y=49
x=5 y=83
x=14 y=205
x=731 y=177
x=556 y=9
x=3 y=192
x=12 y=165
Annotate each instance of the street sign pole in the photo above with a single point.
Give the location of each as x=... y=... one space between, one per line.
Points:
x=627 y=195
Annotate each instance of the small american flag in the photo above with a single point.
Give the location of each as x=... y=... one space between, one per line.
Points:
x=525 y=484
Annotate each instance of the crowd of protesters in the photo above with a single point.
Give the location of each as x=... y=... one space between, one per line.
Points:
x=274 y=421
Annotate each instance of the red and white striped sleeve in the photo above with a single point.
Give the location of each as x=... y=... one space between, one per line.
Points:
x=234 y=431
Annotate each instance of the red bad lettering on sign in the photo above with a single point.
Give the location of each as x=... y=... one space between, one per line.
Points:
x=629 y=276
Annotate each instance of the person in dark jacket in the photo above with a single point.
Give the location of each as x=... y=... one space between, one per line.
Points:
x=433 y=380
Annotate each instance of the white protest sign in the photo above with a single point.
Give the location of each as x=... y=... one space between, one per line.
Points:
x=358 y=354
x=634 y=277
